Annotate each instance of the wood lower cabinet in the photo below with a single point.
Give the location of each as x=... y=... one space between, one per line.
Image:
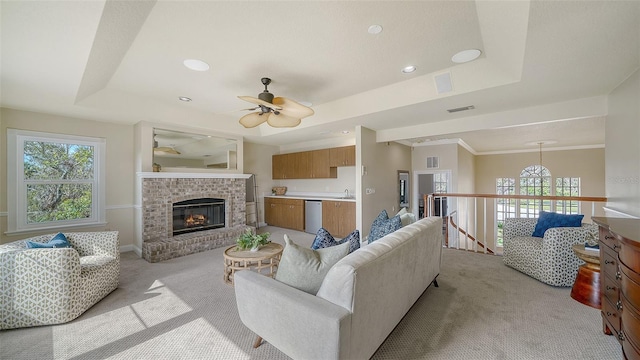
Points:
x=620 y=281
x=339 y=217
x=285 y=213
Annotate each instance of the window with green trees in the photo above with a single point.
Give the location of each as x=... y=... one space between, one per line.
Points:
x=56 y=180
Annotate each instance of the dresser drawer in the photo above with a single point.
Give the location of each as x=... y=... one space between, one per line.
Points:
x=608 y=239
x=612 y=315
x=630 y=351
x=630 y=285
x=608 y=262
x=630 y=323
x=610 y=289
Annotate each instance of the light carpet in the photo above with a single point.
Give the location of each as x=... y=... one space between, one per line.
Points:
x=182 y=309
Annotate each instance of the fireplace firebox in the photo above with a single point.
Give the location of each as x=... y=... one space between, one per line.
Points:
x=197 y=215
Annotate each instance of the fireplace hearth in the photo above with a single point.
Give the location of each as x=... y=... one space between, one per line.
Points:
x=198 y=215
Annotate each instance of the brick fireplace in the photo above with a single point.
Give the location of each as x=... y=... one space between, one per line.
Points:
x=159 y=194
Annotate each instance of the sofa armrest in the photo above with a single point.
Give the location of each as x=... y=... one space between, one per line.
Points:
x=291 y=319
x=562 y=239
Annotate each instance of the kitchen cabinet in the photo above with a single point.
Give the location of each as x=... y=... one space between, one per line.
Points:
x=303 y=165
x=285 y=213
x=342 y=156
x=339 y=217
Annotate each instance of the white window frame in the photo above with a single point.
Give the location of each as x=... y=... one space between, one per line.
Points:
x=17 y=189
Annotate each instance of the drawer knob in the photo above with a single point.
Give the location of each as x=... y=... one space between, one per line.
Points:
x=621 y=336
x=609 y=314
x=616 y=247
x=607 y=262
x=619 y=305
x=618 y=275
x=607 y=237
x=611 y=287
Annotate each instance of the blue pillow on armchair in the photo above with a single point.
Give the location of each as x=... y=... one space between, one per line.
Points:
x=58 y=241
x=549 y=220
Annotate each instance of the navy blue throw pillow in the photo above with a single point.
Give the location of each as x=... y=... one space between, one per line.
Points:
x=324 y=240
x=58 y=241
x=382 y=226
x=549 y=220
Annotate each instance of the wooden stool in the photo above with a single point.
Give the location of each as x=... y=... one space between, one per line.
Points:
x=586 y=288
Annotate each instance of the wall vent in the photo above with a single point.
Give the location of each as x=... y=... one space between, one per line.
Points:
x=433 y=162
x=464 y=108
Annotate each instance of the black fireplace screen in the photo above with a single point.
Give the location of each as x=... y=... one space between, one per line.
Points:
x=197 y=215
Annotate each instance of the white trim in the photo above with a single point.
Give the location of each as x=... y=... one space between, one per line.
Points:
x=168 y=175
x=126 y=248
x=118 y=207
x=618 y=213
x=564 y=148
x=55 y=228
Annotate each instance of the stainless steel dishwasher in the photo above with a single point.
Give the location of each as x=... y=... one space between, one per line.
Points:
x=312 y=216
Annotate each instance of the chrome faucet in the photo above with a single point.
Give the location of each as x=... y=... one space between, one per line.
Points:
x=346 y=193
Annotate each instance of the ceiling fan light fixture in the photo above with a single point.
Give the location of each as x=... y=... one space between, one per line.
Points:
x=375 y=29
x=184 y=98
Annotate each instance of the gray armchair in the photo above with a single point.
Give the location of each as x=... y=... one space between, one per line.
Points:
x=53 y=286
x=549 y=259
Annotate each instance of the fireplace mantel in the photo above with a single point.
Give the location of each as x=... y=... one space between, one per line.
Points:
x=191 y=175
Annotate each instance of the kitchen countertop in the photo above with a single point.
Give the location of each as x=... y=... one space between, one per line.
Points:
x=310 y=197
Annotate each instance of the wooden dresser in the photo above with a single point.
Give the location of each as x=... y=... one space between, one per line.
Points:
x=620 y=281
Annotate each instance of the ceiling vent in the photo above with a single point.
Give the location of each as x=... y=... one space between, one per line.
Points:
x=443 y=83
x=464 y=108
x=433 y=162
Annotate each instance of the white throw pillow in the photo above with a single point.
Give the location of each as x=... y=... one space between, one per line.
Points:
x=406 y=217
x=304 y=269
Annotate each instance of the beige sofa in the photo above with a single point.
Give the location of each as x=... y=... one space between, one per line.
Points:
x=361 y=300
x=53 y=286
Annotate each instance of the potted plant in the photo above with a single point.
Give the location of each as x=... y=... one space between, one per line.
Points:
x=249 y=240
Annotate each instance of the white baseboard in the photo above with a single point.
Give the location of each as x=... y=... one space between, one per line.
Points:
x=127 y=248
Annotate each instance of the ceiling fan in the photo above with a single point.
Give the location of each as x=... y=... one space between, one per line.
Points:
x=164 y=149
x=277 y=112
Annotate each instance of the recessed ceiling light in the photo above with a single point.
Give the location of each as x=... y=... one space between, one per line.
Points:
x=408 y=69
x=466 y=56
x=184 y=98
x=375 y=29
x=196 y=65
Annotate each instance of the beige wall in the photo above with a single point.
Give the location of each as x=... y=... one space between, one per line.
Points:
x=119 y=165
x=257 y=160
x=623 y=147
x=382 y=162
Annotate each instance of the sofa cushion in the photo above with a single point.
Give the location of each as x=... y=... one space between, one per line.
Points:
x=304 y=268
x=382 y=226
x=58 y=241
x=324 y=239
x=548 y=220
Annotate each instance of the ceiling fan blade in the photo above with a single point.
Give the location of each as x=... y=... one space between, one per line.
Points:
x=257 y=101
x=167 y=150
x=292 y=108
x=282 y=120
x=253 y=119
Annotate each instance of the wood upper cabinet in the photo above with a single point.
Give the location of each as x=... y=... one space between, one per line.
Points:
x=303 y=165
x=343 y=156
x=285 y=213
x=339 y=217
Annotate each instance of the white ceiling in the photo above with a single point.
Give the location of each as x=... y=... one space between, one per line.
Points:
x=545 y=70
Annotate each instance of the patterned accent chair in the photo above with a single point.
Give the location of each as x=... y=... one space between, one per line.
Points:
x=549 y=259
x=56 y=285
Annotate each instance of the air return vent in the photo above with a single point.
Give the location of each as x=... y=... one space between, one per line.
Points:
x=464 y=108
x=433 y=162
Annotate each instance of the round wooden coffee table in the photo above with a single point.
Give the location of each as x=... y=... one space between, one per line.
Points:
x=586 y=288
x=265 y=261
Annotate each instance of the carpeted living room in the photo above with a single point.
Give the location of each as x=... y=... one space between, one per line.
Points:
x=319 y=179
x=182 y=309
